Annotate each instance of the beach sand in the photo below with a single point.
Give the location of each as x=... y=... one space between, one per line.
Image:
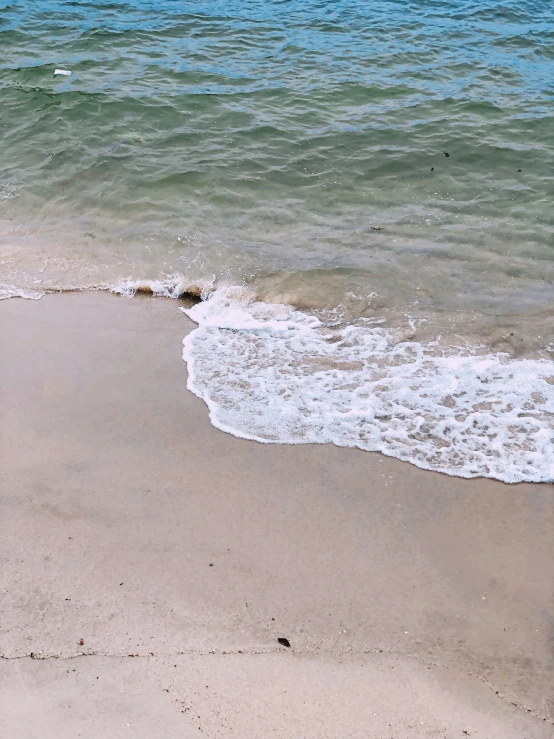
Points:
x=416 y=605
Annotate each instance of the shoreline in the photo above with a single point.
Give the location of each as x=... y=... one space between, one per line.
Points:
x=500 y=335
x=459 y=410
x=119 y=494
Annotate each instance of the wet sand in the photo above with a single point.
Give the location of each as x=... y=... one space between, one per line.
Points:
x=416 y=605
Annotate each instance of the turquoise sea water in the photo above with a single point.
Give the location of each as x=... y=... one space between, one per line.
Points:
x=379 y=161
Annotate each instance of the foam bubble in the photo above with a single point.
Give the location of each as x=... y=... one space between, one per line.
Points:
x=276 y=375
x=11 y=291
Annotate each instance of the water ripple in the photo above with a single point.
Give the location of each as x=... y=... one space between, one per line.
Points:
x=281 y=143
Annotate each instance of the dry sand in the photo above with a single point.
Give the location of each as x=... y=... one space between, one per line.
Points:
x=417 y=605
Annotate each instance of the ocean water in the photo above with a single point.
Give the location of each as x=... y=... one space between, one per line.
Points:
x=362 y=193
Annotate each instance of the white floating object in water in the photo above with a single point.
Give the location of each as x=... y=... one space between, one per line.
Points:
x=63 y=72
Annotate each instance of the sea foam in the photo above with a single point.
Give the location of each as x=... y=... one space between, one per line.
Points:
x=273 y=374
x=171 y=286
x=12 y=291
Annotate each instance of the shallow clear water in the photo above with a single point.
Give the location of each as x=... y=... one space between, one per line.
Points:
x=298 y=149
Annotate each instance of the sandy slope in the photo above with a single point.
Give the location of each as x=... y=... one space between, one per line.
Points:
x=417 y=605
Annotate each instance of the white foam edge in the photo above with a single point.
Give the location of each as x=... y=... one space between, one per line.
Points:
x=272 y=374
x=171 y=286
x=12 y=291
